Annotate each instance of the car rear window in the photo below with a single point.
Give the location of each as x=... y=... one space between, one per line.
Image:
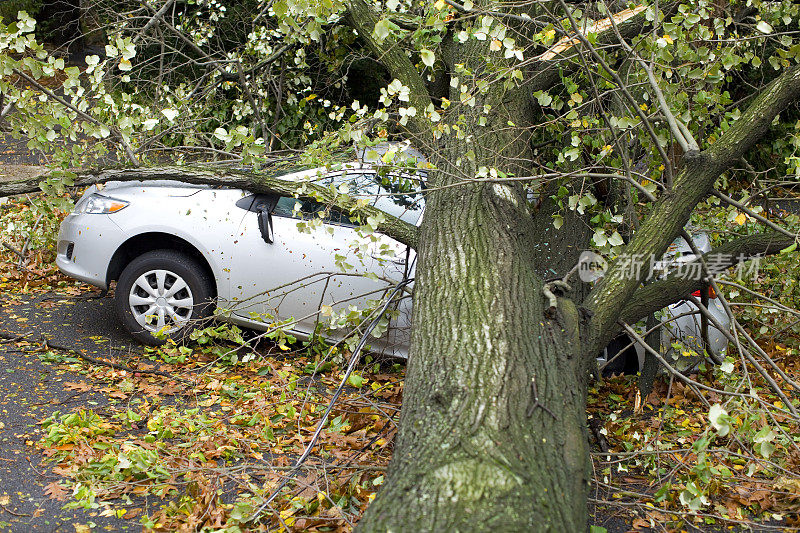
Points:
x=400 y=196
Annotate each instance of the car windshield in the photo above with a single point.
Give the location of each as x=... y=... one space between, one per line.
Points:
x=400 y=195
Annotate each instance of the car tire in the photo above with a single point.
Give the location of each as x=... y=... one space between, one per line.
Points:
x=163 y=290
x=626 y=363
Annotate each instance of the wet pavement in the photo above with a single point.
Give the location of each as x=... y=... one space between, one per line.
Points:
x=32 y=389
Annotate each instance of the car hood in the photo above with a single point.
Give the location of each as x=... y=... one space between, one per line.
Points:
x=125 y=190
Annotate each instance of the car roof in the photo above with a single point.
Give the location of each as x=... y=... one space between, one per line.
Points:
x=401 y=197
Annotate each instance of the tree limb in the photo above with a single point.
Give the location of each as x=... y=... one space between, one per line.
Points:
x=676 y=287
x=679 y=130
x=154 y=19
x=114 y=131
x=226 y=76
x=362 y=18
x=671 y=212
x=742 y=207
x=499 y=14
x=259 y=183
x=547 y=69
x=668 y=170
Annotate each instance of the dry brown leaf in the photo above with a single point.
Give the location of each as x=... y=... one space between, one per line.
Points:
x=56 y=491
x=80 y=386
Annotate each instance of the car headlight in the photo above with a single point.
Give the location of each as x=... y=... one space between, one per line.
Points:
x=103 y=205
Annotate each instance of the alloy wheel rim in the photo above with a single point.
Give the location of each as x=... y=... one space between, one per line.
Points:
x=161 y=300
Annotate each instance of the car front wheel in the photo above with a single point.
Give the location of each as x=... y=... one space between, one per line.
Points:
x=165 y=292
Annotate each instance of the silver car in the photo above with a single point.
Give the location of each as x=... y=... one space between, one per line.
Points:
x=176 y=250
x=681 y=322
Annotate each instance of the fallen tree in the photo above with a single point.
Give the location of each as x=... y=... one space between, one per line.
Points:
x=532 y=161
x=255 y=182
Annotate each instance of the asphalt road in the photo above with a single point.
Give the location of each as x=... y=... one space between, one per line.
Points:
x=31 y=390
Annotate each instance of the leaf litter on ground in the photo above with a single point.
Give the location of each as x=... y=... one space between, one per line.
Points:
x=212 y=443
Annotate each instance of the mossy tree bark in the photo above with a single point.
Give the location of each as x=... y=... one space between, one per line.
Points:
x=492 y=428
x=495 y=391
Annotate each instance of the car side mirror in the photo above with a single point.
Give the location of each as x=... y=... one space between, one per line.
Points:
x=265 y=225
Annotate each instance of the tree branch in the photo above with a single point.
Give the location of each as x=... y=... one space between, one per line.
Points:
x=671 y=212
x=741 y=207
x=154 y=19
x=547 y=69
x=668 y=170
x=258 y=183
x=679 y=130
x=226 y=76
x=361 y=17
x=86 y=116
x=676 y=287
x=499 y=14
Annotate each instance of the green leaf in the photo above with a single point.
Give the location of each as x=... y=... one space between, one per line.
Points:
x=764 y=27
x=427 y=57
x=719 y=419
x=543 y=98
x=172 y=113
x=381 y=30
x=222 y=134
x=356 y=381
x=727 y=365
x=615 y=239
x=662 y=493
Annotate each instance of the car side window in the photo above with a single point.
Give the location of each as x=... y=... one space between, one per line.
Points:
x=309 y=209
x=398 y=195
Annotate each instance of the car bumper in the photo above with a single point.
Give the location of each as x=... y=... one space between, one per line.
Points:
x=86 y=243
x=684 y=326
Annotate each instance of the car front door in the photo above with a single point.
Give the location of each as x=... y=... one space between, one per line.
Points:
x=300 y=271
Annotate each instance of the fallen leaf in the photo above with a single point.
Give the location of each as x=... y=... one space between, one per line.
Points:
x=56 y=492
x=81 y=386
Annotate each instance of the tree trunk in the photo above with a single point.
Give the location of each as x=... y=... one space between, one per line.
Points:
x=475 y=451
x=492 y=431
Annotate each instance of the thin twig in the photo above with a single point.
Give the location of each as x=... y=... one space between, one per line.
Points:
x=10 y=337
x=127 y=147
x=9 y=511
x=679 y=130
x=154 y=19
x=321 y=424
x=536 y=403
x=16 y=252
x=24 y=258
x=116 y=366
x=668 y=171
x=741 y=207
